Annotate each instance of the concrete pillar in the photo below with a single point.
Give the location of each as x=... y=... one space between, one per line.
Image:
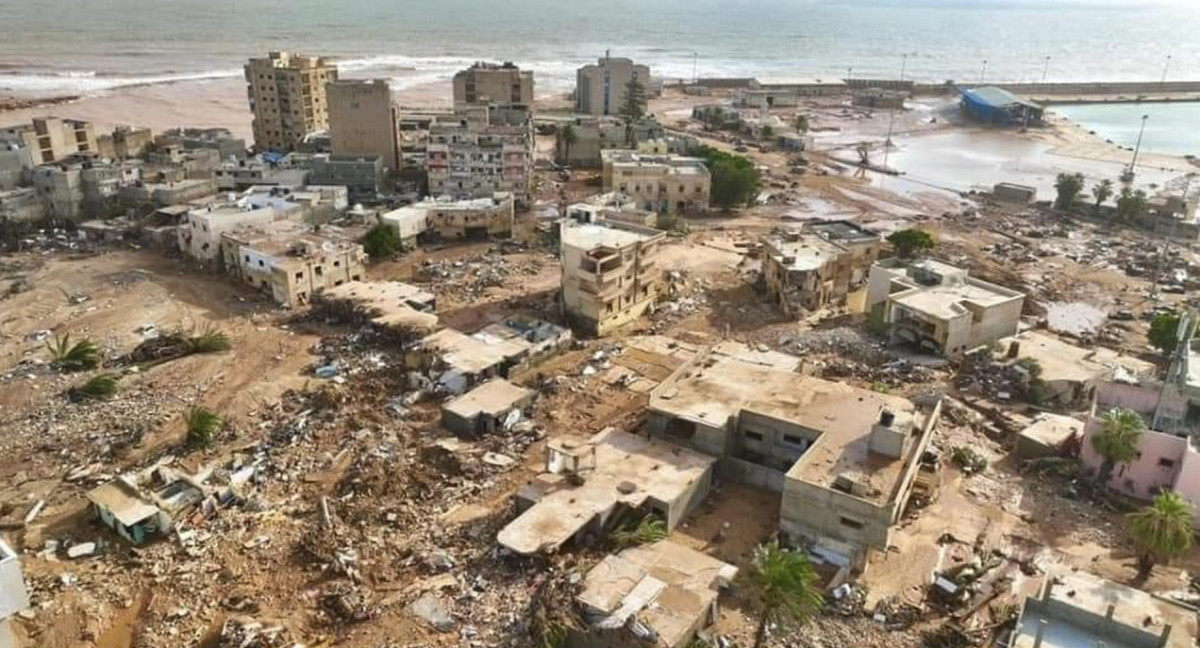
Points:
x=1165 y=636
x=1108 y=615
x=1041 y=633
x=1046 y=590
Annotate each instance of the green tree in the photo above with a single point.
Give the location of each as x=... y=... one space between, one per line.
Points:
x=734 y=178
x=381 y=241
x=1161 y=531
x=567 y=136
x=786 y=588
x=1131 y=204
x=1102 y=191
x=633 y=107
x=766 y=133
x=1164 y=332
x=911 y=241
x=1068 y=186
x=1117 y=441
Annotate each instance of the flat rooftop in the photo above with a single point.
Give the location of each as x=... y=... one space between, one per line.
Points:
x=493 y=397
x=593 y=235
x=629 y=469
x=1078 y=604
x=386 y=303
x=473 y=354
x=667 y=586
x=945 y=301
x=843 y=232
x=805 y=253
x=285 y=238
x=716 y=388
x=1053 y=429
x=127 y=503
x=1064 y=361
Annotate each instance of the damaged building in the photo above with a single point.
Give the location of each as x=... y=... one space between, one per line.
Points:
x=487 y=408
x=938 y=308
x=657 y=594
x=818 y=266
x=394 y=308
x=452 y=361
x=591 y=484
x=613 y=207
x=610 y=273
x=138 y=510
x=667 y=184
x=291 y=261
x=446 y=219
x=1070 y=374
x=844 y=458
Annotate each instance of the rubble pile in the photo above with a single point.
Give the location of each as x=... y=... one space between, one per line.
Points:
x=467 y=279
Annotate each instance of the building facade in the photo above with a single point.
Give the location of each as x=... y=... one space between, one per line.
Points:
x=610 y=273
x=819 y=266
x=493 y=84
x=290 y=261
x=51 y=139
x=362 y=120
x=480 y=152
x=361 y=176
x=199 y=232
x=478 y=219
x=938 y=308
x=600 y=89
x=667 y=184
x=287 y=96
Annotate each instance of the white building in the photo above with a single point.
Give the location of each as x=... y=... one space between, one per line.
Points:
x=199 y=232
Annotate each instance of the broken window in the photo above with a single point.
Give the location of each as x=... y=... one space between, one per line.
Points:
x=852 y=523
x=1166 y=463
x=754 y=436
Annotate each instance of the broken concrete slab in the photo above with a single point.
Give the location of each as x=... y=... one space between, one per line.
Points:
x=430 y=609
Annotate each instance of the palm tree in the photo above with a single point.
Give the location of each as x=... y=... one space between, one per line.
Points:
x=1161 y=531
x=1103 y=190
x=568 y=136
x=1117 y=441
x=786 y=586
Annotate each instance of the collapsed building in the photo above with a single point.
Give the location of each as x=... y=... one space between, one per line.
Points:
x=487 y=408
x=818 y=266
x=610 y=273
x=938 y=308
x=452 y=361
x=1070 y=374
x=393 y=308
x=845 y=459
x=669 y=184
x=291 y=261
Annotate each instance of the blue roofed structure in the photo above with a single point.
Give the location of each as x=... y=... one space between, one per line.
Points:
x=992 y=105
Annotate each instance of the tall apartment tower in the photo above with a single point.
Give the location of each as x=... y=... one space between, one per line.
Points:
x=287 y=97
x=600 y=88
x=491 y=83
x=362 y=120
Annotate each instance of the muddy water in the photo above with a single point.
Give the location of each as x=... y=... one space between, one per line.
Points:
x=124 y=628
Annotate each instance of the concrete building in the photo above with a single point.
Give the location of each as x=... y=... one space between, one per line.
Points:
x=139 y=507
x=667 y=184
x=288 y=99
x=291 y=261
x=241 y=174
x=844 y=458
x=22 y=204
x=454 y=362
x=61 y=189
x=51 y=139
x=16 y=165
x=163 y=194
x=493 y=84
x=611 y=207
x=766 y=99
x=1075 y=609
x=1070 y=373
x=610 y=273
x=13 y=595
x=801 y=87
x=1014 y=193
x=818 y=266
x=480 y=152
x=362 y=121
x=125 y=142
x=879 y=98
x=1050 y=435
x=658 y=594
x=220 y=139
x=596 y=134
x=590 y=484
x=199 y=232
x=361 y=176
x=396 y=309
x=310 y=203
x=938 y=308
x=600 y=89
x=479 y=219
x=486 y=408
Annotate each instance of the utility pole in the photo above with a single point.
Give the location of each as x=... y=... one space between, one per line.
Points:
x=1045 y=70
x=887 y=143
x=1166 y=66
x=1138 y=147
x=903 y=65
x=695 y=61
x=983 y=71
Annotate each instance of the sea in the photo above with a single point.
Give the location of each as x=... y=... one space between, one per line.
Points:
x=1171 y=128
x=50 y=47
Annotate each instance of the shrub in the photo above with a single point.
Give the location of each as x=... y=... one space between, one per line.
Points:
x=209 y=340
x=202 y=424
x=969 y=461
x=102 y=386
x=73 y=357
x=381 y=242
x=650 y=528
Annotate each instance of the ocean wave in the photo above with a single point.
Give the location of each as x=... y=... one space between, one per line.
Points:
x=91 y=81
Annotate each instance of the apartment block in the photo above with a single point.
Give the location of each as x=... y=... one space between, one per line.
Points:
x=610 y=273
x=453 y=220
x=611 y=207
x=667 y=184
x=845 y=459
x=22 y=204
x=124 y=142
x=51 y=139
x=189 y=139
x=361 y=176
x=817 y=266
x=291 y=261
x=287 y=96
x=600 y=88
x=362 y=121
x=492 y=83
x=61 y=189
x=199 y=232
x=479 y=152
x=938 y=308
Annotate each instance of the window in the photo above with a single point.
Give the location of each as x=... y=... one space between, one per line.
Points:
x=299 y=276
x=247 y=258
x=853 y=524
x=317 y=271
x=260 y=263
x=793 y=439
x=1166 y=463
x=756 y=436
x=337 y=264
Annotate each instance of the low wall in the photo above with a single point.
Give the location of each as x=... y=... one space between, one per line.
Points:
x=1105 y=88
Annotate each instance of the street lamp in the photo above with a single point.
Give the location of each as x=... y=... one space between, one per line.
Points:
x=849 y=73
x=903 y=65
x=982 y=71
x=1136 y=149
x=1045 y=69
x=1166 y=66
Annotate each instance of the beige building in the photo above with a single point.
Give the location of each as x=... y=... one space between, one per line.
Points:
x=480 y=151
x=818 y=266
x=287 y=97
x=453 y=220
x=491 y=83
x=600 y=89
x=845 y=459
x=51 y=139
x=125 y=142
x=290 y=260
x=610 y=273
x=938 y=308
x=199 y=231
x=362 y=120
x=667 y=184
x=612 y=207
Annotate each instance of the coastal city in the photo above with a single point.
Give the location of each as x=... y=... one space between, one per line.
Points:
x=654 y=362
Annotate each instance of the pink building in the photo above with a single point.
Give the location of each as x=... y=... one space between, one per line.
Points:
x=1166 y=458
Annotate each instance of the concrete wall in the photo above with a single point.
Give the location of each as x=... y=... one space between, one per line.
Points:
x=362 y=120
x=744 y=472
x=13 y=596
x=1145 y=473
x=814 y=511
x=714 y=441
